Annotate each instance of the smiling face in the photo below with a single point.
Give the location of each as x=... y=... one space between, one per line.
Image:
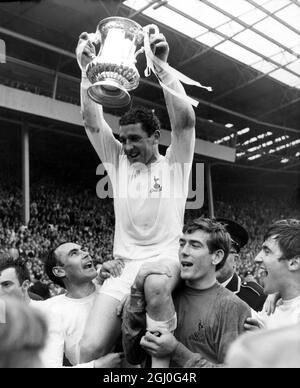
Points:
x=197 y=264
x=76 y=265
x=272 y=268
x=137 y=145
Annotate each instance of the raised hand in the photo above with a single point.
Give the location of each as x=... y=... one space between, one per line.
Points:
x=252 y=324
x=110 y=268
x=270 y=303
x=85 y=50
x=159 y=46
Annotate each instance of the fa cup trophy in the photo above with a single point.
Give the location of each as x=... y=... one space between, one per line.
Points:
x=112 y=72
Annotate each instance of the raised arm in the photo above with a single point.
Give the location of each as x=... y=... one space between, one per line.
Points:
x=98 y=131
x=181 y=113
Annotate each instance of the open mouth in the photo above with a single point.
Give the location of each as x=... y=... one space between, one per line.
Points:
x=88 y=265
x=186 y=264
x=262 y=272
x=134 y=155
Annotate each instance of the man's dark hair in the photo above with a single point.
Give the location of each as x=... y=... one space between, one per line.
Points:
x=21 y=270
x=150 y=122
x=52 y=261
x=219 y=238
x=287 y=234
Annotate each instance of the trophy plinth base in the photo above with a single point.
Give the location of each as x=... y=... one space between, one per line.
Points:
x=109 y=93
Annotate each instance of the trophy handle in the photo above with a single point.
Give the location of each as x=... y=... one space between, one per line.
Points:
x=147 y=30
x=150 y=27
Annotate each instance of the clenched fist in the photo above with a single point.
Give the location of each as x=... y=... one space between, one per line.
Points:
x=159 y=46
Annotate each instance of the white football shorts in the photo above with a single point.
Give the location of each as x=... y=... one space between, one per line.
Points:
x=119 y=287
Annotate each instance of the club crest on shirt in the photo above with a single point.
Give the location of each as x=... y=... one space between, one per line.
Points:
x=156 y=186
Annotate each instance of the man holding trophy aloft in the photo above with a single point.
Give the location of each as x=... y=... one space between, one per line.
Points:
x=150 y=190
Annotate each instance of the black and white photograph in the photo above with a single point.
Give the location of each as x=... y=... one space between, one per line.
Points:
x=150 y=187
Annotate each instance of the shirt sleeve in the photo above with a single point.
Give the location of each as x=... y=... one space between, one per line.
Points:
x=98 y=131
x=53 y=352
x=182 y=147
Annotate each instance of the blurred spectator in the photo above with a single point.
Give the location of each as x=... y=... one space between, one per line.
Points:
x=249 y=277
x=277 y=348
x=22 y=337
x=13 y=253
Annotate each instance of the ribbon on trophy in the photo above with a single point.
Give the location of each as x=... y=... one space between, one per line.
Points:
x=152 y=60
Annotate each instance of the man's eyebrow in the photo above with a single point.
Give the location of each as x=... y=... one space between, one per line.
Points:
x=265 y=246
x=182 y=239
x=196 y=241
x=74 y=250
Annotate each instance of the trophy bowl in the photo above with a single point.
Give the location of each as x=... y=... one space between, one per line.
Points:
x=112 y=72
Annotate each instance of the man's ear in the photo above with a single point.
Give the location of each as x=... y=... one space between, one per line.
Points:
x=156 y=136
x=25 y=285
x=235 y=258
x=59 y=272
x=24 y=288
x=218 y=256
x=294 y=263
